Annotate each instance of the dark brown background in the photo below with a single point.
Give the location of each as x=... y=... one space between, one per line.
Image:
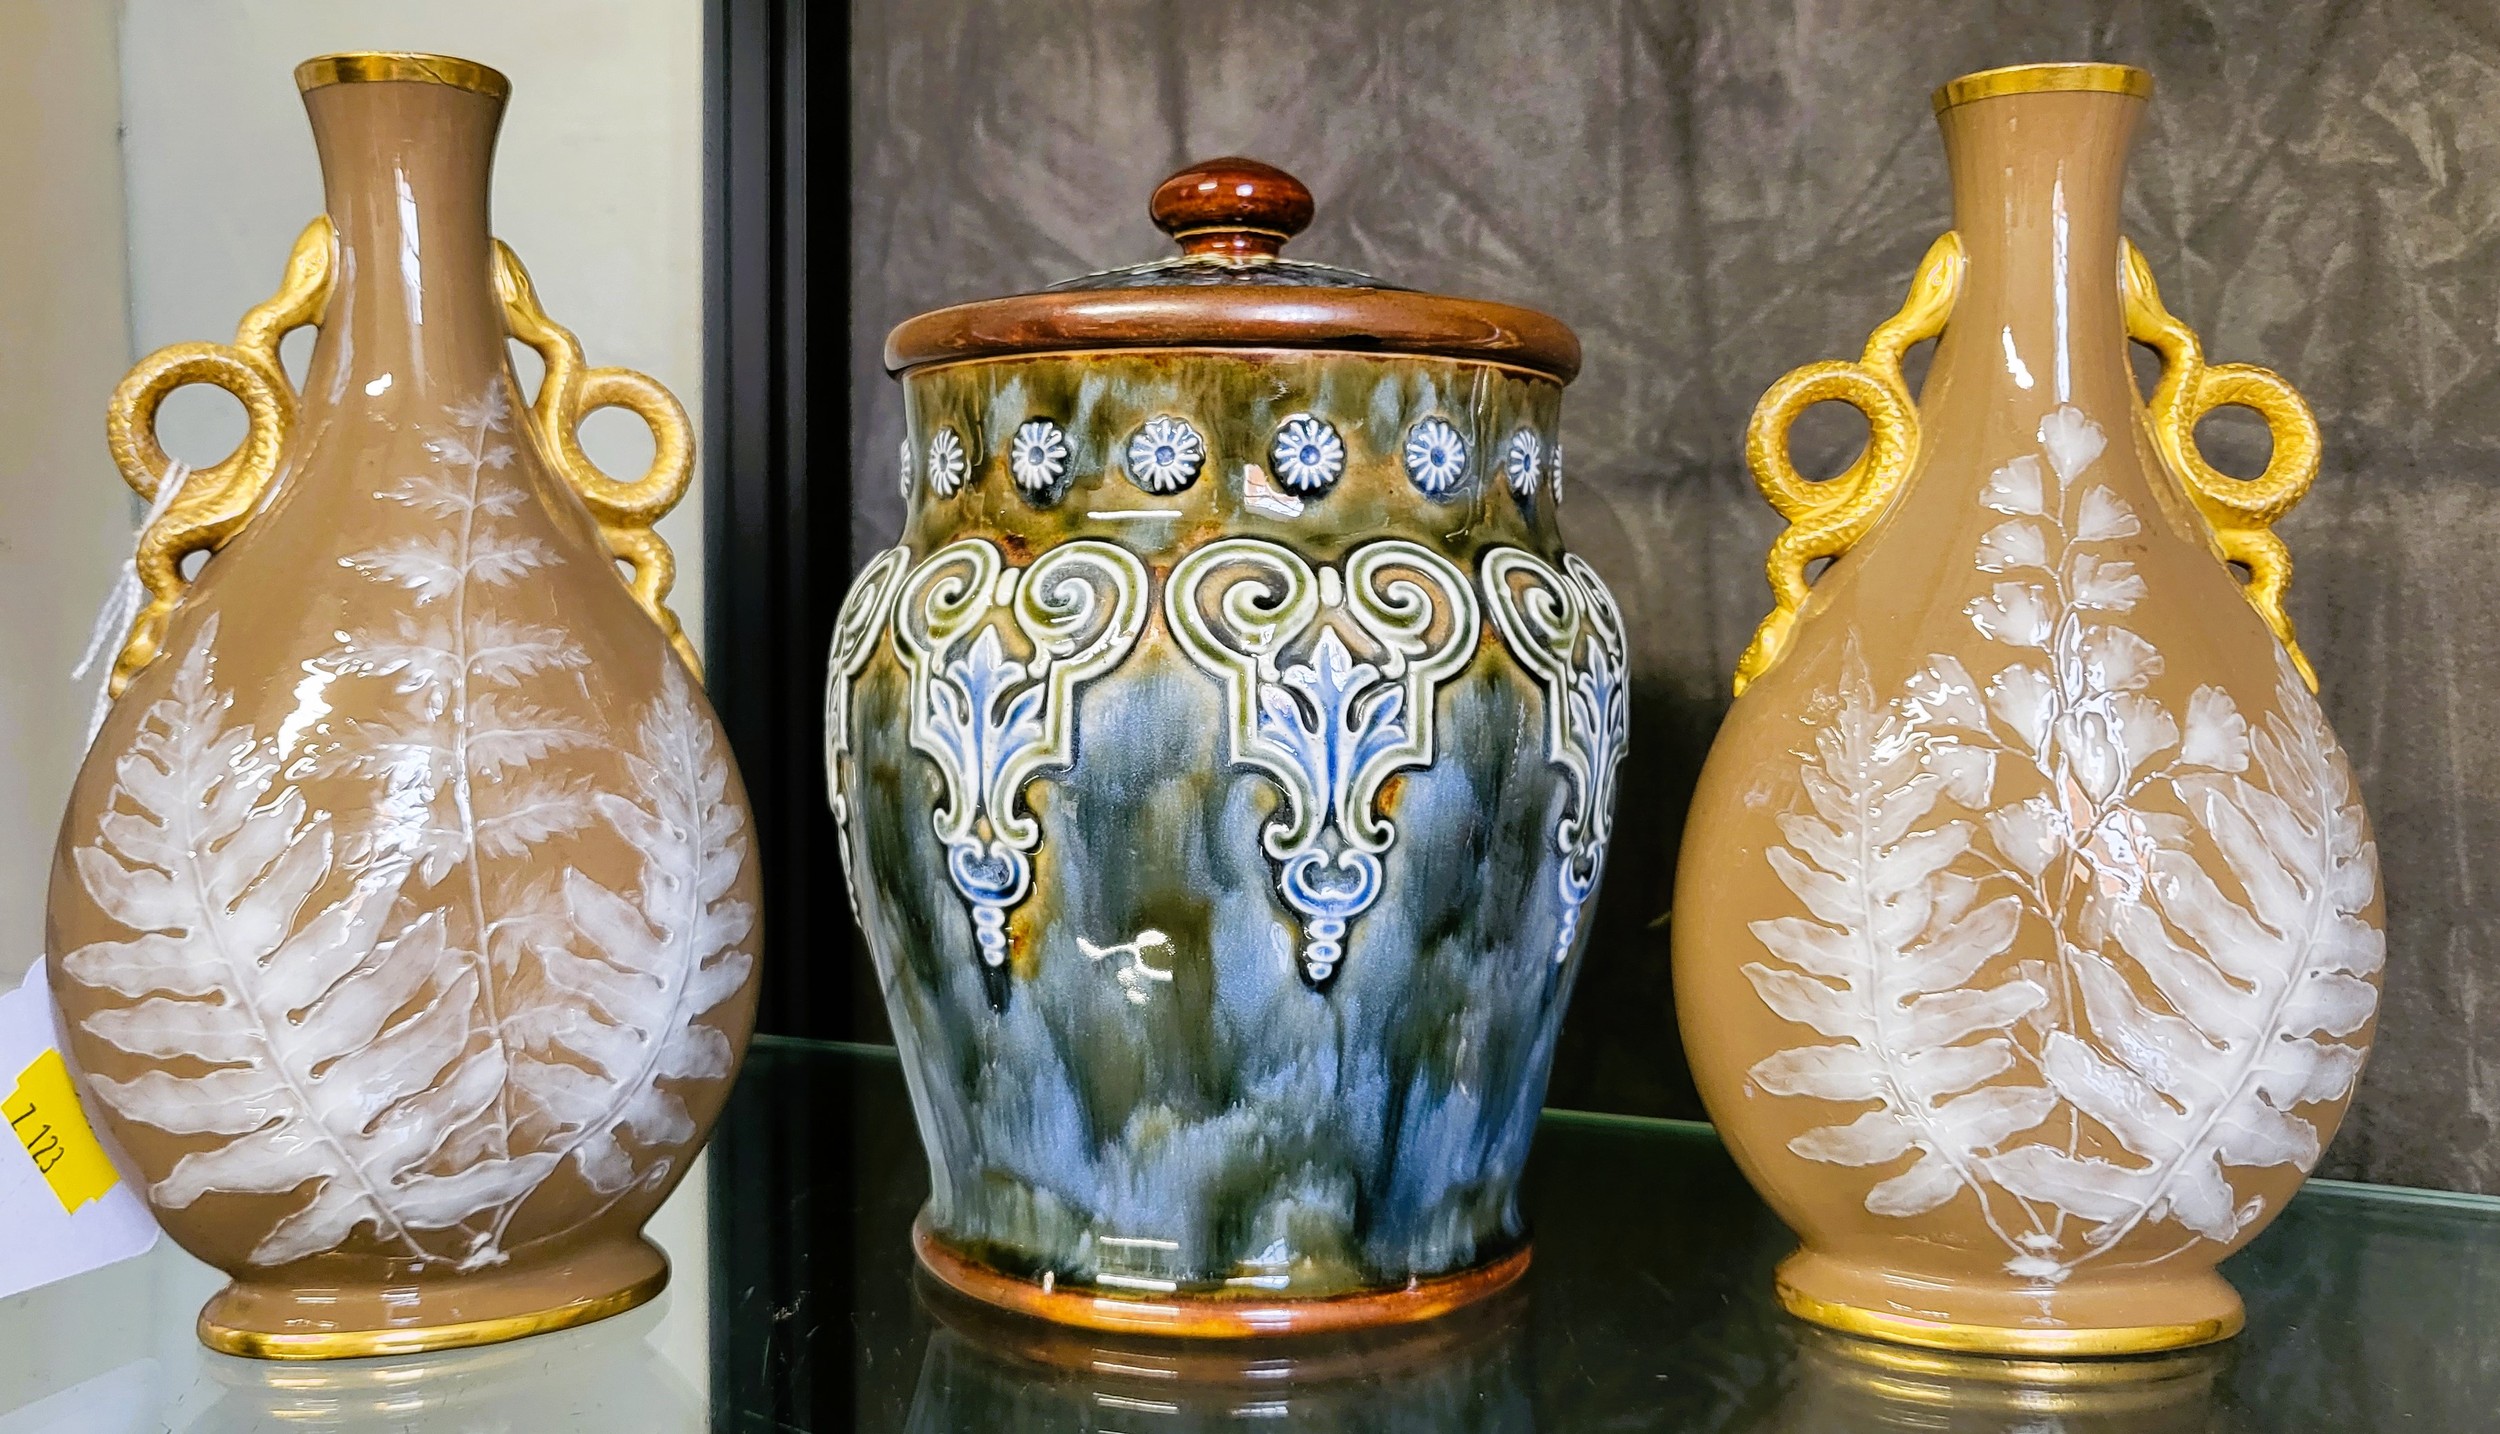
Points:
x=1714 y=192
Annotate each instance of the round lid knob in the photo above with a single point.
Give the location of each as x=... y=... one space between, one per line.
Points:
x=1232 y=206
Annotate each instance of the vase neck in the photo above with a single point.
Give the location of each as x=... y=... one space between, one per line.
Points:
x=2037 y=181
x=405 y=166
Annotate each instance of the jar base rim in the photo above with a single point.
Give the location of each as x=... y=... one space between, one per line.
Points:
x=1182 y=1316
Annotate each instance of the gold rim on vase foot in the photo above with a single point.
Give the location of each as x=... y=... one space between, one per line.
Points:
x=1179 y=1316
x=422 y=1339
x=2003 y=1340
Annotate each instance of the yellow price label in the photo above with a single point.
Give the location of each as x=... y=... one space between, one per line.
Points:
x=43 y=1113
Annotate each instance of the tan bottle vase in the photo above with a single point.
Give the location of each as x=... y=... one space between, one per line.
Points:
x=2027 y=935
x=403 y=920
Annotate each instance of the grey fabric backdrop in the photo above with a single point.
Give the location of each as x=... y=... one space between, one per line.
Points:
x=1714 y=192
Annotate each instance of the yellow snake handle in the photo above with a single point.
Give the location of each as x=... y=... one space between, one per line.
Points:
x=570 y=392
x=1826 y=519
x=214 y=502
x=2242 y=512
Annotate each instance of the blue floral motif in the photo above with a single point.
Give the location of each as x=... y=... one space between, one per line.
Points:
x=1038 y=456
x=1343 y=720
x=1523 y=461
x=1600 y=720
x=992 y=723
x=1307 y=454
x=1330 y=730
x=1436 y=457
x=1165 y=454
x=947 y=465
x=858 y=630
x=984 y=712
x=1563 y=626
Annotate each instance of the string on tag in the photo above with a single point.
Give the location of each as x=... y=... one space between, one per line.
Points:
x=122 y=604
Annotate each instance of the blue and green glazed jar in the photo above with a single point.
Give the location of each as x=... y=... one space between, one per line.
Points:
x=1225 y=761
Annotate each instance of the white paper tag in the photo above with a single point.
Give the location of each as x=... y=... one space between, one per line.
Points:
x=64 y=1210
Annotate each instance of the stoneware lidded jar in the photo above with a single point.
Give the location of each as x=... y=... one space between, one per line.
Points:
x=2028 y=932
x=1225 y=759
x=403 y=920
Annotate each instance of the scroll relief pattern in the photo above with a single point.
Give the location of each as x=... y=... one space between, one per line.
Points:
x=1328 y=726
x=392 y=1015
x=992 y=722
x=1564 y=627
x=857 y=629
x=2185 y=1013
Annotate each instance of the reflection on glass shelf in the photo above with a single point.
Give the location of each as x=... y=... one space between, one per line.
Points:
x=989 y=1371
x=113 y=1352
x=1846 y=1385
x=1648 y=1308
x=983 y=1371
x=601 y=1378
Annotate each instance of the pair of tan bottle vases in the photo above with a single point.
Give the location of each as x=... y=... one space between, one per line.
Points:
x=1225 y=762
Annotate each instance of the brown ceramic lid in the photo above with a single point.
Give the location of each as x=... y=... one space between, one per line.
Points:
x=1231 y=287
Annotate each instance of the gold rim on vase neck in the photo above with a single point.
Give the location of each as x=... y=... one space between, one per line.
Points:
x=368 y=66
x=2039 y=79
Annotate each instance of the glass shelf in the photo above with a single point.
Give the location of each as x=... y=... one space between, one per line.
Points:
x=1648 y=1308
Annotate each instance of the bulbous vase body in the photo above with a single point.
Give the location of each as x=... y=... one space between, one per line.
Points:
x=403 y=917
x=2028 y=931
x=1224 y=758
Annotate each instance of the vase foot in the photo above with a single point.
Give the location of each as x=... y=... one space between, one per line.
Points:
x=1181 y=1316
x=274 y=1321
x=2085 y=1321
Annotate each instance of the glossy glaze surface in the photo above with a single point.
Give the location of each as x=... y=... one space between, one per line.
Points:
x=1237 y=946
x=2028 y=928
x=1226 y=760
x=403 y=915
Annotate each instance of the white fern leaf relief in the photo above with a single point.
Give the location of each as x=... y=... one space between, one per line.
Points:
x=2188 y=1011
x=529 y=810
x=452 y=765
x=503 y=651
x=419 y=653
x=336 y=1059
x=644 y=970
x=1884 y=966
x=2215 y=1079
x=499 y=563
x=412 y=1025
x=507 y=733
x=430 y=568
